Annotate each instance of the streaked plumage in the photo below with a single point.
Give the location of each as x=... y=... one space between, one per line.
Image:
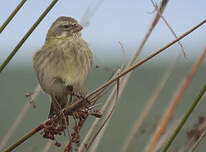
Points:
x=64 y=60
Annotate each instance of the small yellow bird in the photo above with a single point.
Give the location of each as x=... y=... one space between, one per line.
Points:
x=63 y=63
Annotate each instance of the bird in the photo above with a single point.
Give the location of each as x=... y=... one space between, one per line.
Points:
x=63 y=63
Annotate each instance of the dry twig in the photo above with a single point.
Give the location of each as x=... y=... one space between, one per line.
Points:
x=94 y=124
x=47 y=146
x=19 y=118
x=194 y=147
x=100 y=132
x=149 y=104
x=170 y=28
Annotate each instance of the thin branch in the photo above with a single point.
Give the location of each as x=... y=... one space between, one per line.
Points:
x=25 y=137
x=170 y=28
x=165 y=136
x=149 y=104
x=109 y=114
x=194 y=147
x=105 y=123
x=92 y=101
x=142 y=61
x=131 y=62
x=190 y=109
x=108 y=101
x=195 y=132
x=18 y=119
x=149 y=31
x=160 y=10
x=21 y=42
x=188 y=145
x=125 y=79
x=12 y=15
x=94 y=124
x=173 y=103
x=123 y=55
x=47 y=146
x=133 y=59
x=13 y=127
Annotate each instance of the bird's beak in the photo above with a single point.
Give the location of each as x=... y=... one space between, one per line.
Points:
x=78 y=28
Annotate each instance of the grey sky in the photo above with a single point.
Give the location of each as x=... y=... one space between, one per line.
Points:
x=122 y=20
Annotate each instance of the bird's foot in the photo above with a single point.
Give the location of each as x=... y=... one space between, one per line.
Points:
x=79 y=96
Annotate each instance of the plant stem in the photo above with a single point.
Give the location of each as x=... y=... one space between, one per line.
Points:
x=185 y=117
x=12 y=15
x=3 y=65
x=24 y=138
x=145 y=60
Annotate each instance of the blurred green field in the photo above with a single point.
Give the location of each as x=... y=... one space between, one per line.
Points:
x=15 y=81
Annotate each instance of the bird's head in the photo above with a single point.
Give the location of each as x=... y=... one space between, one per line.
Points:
x=64 y=27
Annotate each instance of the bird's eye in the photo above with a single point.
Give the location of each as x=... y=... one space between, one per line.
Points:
x=65 y=26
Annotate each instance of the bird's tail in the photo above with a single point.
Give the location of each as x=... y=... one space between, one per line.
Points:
x=57 y=104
